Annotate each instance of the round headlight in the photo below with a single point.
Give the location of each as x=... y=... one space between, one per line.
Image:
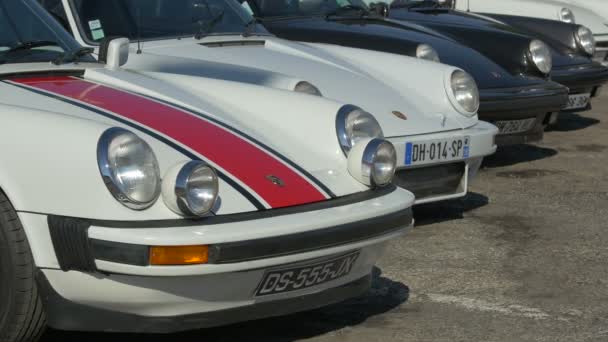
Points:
x=566 y=15
x=541 y=56
x=585 y=40
x=354 y=124
x=426 y=52
x=307 y=88
x=129 y=168
x=373 y=162
x=196 y=188
x=465 y=91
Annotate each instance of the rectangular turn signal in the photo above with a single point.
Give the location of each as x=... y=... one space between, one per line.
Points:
x=179 y=255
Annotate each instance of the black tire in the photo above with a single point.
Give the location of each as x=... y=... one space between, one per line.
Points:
x=22 y=317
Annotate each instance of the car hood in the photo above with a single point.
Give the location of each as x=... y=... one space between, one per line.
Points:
x=481 y=32
x=221 y=122
x=337 y=77
x=388 y=35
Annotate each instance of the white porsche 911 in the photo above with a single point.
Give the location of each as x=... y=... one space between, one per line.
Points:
x=426 y=109
x=164 y=202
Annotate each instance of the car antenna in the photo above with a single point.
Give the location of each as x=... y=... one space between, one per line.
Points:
x=138 y=31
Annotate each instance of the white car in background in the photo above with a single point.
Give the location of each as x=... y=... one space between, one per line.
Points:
x=590 y=13
x=148 y=204
x=426 y=109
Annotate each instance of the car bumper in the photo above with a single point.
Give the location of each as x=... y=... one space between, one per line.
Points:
x=582 y=79
x=439 y=181
x=513 y=105
x=601 y=49
x=112 y=289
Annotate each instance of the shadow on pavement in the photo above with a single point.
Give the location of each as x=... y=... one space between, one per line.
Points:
x=383 y=296
x=572 y=122
x=516 y=154
x=426 y=214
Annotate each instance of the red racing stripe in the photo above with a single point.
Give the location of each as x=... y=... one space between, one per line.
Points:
x=241 y=159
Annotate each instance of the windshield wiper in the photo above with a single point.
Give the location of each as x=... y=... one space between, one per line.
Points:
x=31 y=45
x=72 y=55
x=204 y=30
x=250 y=28
x=347 y=9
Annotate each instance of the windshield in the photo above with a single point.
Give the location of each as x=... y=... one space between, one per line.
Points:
x=161 y=19
x=289 y=8
x=28 y=34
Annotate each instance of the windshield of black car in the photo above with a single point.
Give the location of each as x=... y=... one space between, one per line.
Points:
x=288 y=8
x=28 y=34
x=159 y=19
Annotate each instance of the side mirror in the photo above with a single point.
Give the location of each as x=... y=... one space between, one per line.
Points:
x=380 y=8
x=114 y=52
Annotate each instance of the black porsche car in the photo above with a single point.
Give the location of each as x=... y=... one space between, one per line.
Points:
x=572 y=46
x=516 y=92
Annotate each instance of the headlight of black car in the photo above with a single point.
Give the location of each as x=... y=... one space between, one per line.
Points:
x=307 y=88
x=541 y=56
x=447 y=3
x=585 y=40
x=425 y=51
x=566 y=15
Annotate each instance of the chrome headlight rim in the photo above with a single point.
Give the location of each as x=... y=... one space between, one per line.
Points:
x=344 y=139
x=587 y=47
x=110 y=177
x=449 y=87
x=546 y=65
x=306 y=87
x=181 y=188
x=428 y=53
x=566 y=15
x=370 y=162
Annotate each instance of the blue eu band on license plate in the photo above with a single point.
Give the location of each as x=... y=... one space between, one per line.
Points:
x=436 y=150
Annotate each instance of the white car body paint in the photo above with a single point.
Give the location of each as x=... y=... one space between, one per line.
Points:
x=49 y=167
x=379 y=83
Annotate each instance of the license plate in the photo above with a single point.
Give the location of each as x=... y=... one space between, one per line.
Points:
x=515 y=126
x=440 y=150
x=301 y=277
x=578 y=101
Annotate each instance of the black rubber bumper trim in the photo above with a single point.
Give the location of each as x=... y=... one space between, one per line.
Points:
x=77 y=252
x=64 y=314
x=310 y=241
x=581 y=76
x=248 y=216
x=521 y=103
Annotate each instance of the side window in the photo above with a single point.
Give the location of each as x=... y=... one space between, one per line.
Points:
x=56 y=9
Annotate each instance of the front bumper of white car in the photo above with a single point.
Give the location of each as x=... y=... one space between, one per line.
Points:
x=434 y=179
x=93 y=276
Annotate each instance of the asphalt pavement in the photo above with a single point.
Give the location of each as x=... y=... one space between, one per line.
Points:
x=524 y=257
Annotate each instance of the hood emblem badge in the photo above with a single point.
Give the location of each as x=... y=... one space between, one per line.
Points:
x=399 y=115
x=275 y=180
x=496 y=74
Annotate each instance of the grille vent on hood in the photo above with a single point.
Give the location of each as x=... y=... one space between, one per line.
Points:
x=235 y=43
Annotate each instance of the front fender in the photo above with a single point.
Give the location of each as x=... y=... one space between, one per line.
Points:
x=413 y=78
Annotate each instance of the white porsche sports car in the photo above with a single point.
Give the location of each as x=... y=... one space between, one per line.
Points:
x=165 y=202
x=426 y=109
x=591 y=13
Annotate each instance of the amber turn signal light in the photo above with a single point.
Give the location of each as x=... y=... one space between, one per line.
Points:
x=179 y=255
